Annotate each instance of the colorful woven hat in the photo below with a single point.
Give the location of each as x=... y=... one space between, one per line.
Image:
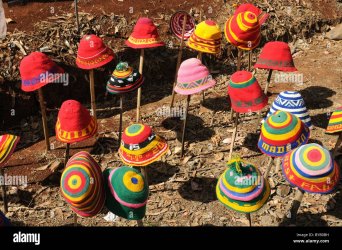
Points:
x=8 y=144
x=293 y=102
x=276 y=56
x=74 y=123
x=82 y=185
x=262 y=16
x=193 y=77
x=124 y=79
x=242 y=187
x=126 y=192
x=140 y=146
x=176 y=24
x=311 y=168
x=144 y=35
x=4 y=222
x=282 y=132
x=206 y=37
x=245 y=93
x=37 y=70
x=243 y=30
x=93 y=53
x=335 y=122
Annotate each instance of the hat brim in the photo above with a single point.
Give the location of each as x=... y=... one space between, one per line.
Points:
x=89 y=66
x=203 y=48
x=268 y=67
x=144 y=46
x=5 y=155
x=192 y=91
x=125 y=89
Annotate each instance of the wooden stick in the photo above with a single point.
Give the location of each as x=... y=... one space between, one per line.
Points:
x=179 y=59
x=277 y=164
x=75 y=219
x=77 y=20
x=44 y=119
x=184 y=124
x=140 y=223
x=199 y=56
x=120 y=124
x=141 y=66
x=92 y=94
x=4 y=194
x=67 y=149
x=249 y=218
x=338 y=143
x=238 y=65
x=233 y=136
x=268 y=81
x=295 y=205
x=268 y=167
x=249 y=60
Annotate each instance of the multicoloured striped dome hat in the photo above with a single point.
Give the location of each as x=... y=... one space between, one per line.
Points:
x=140 y=146
x=311 y=168
x=282 y=132
x=74 y=123
x=262 y=16
x=292 y=102
x=245 y=93
x=206 y=37
x=335 y=122
x=82 y=185
x=8 y=144
x=124 y=79
x=127 y=192
x=243 y=30
x=4 y=222
x=242 y=187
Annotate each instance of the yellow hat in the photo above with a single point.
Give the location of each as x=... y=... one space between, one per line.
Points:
x=206 y=37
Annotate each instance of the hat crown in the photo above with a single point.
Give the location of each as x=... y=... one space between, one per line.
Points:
x=145 y=28
x=36 y=63
x=90 y=45
x=208 y=30
x=136 y=133
x=73 y=116
x=192 y=70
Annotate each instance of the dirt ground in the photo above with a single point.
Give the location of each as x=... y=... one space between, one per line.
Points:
x=181 y=189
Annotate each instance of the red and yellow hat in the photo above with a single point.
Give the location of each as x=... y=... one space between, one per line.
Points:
x=140 y=146
x=335 y=122
x=8 y=144
x=262 y=16
x=74 y=123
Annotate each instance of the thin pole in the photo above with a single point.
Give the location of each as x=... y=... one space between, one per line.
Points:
x=199 y=57
x=249 y=60
x=184 y=124
x=4 y=194
x=45 y=125
x=338 y=143
x=140 y=223
x=77 y=20
x=179 y=59
x=268 y=81
x=141 y=66
x=268 y=167
x=75 y=219
x=277 y=164
x=238 y=66
x=234 y=136
x=295 y=205
x=92 y=93
x=67 y=150
x=248 y=215
x=120 y=124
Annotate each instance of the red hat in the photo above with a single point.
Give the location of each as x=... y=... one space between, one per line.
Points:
x=144 y=35
x=37 y=70
x=245 y=93
x=93 y=53
x=74 y=123
x=243 y=30
x=262 y=16
x=276 y=56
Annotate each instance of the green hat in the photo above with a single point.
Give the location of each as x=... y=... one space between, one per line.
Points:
x=126 y=192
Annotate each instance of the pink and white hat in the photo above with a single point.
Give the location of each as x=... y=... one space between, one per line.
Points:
x=193 y=77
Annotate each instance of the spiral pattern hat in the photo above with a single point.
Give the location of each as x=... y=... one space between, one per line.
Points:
x=245 y=93
x=311 y=168
x=124 y=79
x=140 y=146
x=176 y=24
x=277 y=56
x=74 y=123
x=38 y=70
x=262 y=16
x=144 y=35
x=243 y=30
x=93 y=53
x=126 y=192
x=292 y=102
x=193 y=77
x=242 y=187
x=282 y=132
x=335 y=122
x=4 y=222
x=206 y=37
x=82 y=185
x=8 y=144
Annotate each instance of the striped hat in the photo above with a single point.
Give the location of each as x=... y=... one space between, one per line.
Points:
x=176 y=24
x=242 y=187
x=82 y=185
x=243 y=30
x=140 y=146
x=335 y=122
x=74 y=123
x=292 y=102
x=311 y=168
x=8 y=144
x=4 y=222
x=126 y=192
x=262 y=16
x=282 y=132
x=206 y=37
x=245 y=93
x=124 y=79
x=93 y=53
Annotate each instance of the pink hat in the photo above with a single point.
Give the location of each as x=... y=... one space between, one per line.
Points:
x=193 y=77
